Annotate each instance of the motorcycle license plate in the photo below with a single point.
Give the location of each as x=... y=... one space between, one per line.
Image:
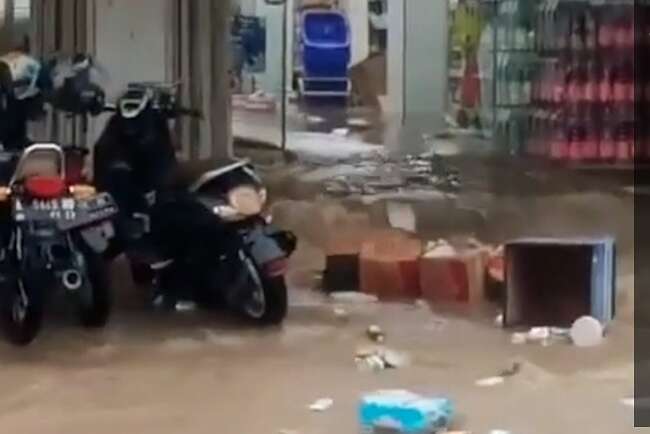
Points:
x=67 y=212
x=42 y=210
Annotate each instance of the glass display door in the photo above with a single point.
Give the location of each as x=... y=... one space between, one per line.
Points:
x=258 y=70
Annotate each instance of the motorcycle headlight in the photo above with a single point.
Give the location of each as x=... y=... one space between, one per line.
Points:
x=243 y=202
x=247 y=200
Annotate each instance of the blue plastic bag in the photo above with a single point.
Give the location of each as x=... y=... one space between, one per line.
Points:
x=405 y=412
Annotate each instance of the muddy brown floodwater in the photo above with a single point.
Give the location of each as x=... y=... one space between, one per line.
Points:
x=205 y=373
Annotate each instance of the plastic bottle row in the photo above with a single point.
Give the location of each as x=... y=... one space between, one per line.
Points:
x=571 y=26
x=606 y=135
x=610 y=81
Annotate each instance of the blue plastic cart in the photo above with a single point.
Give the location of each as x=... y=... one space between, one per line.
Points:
x=326 y=53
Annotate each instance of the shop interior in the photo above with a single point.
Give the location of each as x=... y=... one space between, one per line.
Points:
x=544 y=80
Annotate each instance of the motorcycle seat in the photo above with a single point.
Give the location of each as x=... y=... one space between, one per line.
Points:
x=189 y=174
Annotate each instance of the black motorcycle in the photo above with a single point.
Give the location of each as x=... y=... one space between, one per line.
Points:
x=55 y=240
x=203 y=240
x=54 y=227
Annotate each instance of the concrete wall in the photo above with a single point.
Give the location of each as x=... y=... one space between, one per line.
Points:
x=140 y=41
x=426 y=58
x=357 y=12
x=395 y=57
x=417 y=68
x=130 y=41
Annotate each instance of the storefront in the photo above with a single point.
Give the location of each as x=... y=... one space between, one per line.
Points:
x=279 y=89
x=549 y=79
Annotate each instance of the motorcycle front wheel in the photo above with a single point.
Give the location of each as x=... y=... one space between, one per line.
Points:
x=21 y=309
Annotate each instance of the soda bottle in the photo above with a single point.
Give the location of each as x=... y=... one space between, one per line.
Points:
x=576 y=136
x=606 y=35
x=559 y=141
x=591 y=137
x=575 y=84
x=625 y=136
x=619 y=87
x=605 y=86
x=559 y=84
x=591 y=83
x=607 y=146
x=590 y=32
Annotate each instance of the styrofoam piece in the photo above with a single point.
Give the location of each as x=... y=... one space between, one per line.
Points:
x=587 y=332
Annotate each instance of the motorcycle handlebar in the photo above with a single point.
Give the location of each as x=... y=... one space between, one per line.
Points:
x=179 y=111
x=182 y=111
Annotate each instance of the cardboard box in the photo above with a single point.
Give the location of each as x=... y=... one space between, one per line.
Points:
x=341 y=273
x=455 y=278
x=389 y=266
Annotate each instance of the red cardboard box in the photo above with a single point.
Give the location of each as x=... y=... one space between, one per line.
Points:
x=389 y=266
x=454 y=278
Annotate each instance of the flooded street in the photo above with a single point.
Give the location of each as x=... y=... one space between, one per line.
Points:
x=203 y=373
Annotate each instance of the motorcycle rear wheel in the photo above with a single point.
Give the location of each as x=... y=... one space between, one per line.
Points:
x=142 y=274
x=270 y=295
x=96 y=305
x=22 y=317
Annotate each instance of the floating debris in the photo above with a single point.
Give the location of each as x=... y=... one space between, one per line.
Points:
x=545 y=336
x=490 y=381
x=587 y=332
x=353 y=298
x=500 y=379
x=322 y=405
x=186 y=306
x=358 y=123
x=314 y=120
x=404 y=411
x=381 y=358
x=384 y=173
x=341 y=314
x=376 y=334
x=401 y=216
x=341 y=132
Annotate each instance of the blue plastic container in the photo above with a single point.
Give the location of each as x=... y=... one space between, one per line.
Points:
x=326 y=44
x=404 y=412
